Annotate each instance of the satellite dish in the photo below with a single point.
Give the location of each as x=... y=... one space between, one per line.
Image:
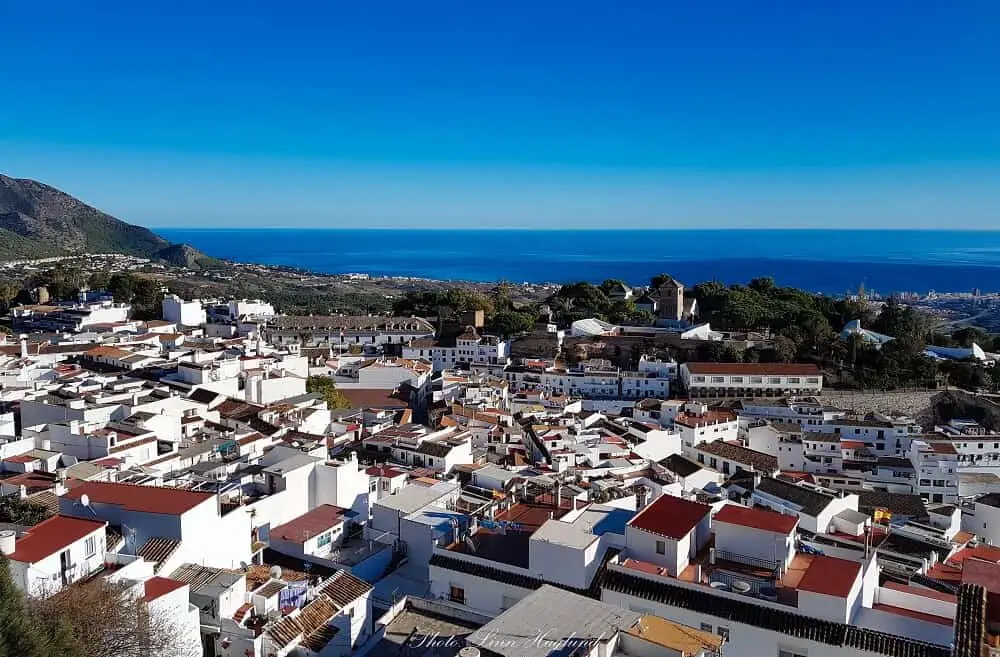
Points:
x=275 y=572
x=85 y=499
x=243 y=566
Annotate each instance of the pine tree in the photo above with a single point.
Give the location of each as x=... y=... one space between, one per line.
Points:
x=23 y=633
x=18 y=638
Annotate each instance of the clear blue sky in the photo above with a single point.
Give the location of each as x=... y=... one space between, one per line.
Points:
x=540 y=114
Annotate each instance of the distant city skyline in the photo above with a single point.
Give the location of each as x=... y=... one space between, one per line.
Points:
x=459 y=115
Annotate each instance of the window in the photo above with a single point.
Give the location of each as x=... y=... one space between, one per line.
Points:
x=723 y=632
x=718 y=379
x=456 y=594
x=661 y=547
x=737 y=379
x=756 y=379
x=791 y=652
x=706 y=627
x=90 y=547
x=793 y=379
x=775 y=380
x=324 y=539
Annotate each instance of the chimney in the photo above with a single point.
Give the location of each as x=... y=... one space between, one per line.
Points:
x=24 y=345
x=8 y=540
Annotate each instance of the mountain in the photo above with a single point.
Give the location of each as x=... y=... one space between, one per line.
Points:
x=185 y=255
x=37 y=220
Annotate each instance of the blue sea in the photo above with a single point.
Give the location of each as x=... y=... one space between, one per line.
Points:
x=827 y=261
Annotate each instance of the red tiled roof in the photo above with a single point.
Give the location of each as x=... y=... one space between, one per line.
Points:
x=372 y=398
x=159 y=586
x=765 y=369
x=926 y=593
x=983 y=573
x=830 y=576
x=51 y=536
x=32 y=481
x=768 y=521
x=851 y=444
x=124 y=447
x=384 y=471
x=670 y=516
x=310 y=524
x=20 y=458
x=141 y=499
x=943 y=448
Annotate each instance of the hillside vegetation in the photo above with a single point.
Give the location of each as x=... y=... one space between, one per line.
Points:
x=37 y=220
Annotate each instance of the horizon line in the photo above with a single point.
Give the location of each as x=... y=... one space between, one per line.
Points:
x=581 y=229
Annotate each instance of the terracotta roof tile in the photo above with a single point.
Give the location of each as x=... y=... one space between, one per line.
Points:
x=769 y=521
x=830 y=576
x=50 y=536
x=670 y=516
x=764 y=369
x=142 y=499
x=308 y=525
x=156 y=587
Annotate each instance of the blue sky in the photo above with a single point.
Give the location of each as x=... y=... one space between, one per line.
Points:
x=516 y=114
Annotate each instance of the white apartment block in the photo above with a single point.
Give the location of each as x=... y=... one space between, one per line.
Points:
x=885 y=436
x=593 y=379
x=183 y=313
x=803 y=411
x=751 y=379
x=340 y=332
x=465 y=350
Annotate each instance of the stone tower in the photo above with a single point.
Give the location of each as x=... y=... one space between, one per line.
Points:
x=670 y=296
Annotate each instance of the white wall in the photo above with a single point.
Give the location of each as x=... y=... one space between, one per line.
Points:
x=744 y=640
x=985 y=523
x=825 y=518
x=45 y=576
x=563 y=564
x=642 y=546
x=177 y=616
x=485 y=596
x=751 y=542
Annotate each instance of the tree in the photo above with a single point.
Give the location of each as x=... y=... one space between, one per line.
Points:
x=711 y=352
x=763 y=284
x=22 y=633
x=783 y=349
x=461 y=299
x=122 y=287
x=659 y=280
x=325 y=387
x=108 y=619
x=511 y=322
x=611 y=284
x=968 y=335
x=8 y=292
x=21 y=512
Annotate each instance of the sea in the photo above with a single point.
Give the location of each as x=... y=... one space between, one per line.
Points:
x=826 y=261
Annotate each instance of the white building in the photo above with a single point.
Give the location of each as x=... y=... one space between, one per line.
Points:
x=465 y=350
x=803 y=411
x=190 y=519
x=340 y=332
x=751 y=379
x=54 y=553
x=183 y=313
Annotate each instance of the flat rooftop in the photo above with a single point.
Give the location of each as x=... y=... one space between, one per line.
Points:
x=420 y=632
